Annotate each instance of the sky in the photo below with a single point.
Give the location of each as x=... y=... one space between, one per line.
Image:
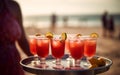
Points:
x=63 y=7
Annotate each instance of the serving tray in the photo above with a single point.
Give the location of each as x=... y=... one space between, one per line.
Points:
x=28 y=66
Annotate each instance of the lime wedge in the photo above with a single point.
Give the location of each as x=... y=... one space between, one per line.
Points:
x=37 y=34
x=94 y=35
x=49 y=35
x=78 y=35
x=63 y=36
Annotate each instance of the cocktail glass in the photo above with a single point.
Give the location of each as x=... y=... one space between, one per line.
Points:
x=69 y=36
x=57 y=49
x=89 y=48
x=76 y=46
x=69 y=59
x=33 y=44
x=42 y=50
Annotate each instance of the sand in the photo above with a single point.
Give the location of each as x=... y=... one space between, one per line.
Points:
x=106 y=47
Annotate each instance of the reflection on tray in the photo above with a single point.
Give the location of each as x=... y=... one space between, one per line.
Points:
x=68 y=64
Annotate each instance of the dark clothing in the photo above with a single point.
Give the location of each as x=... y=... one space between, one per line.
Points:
x=9 y=60
x=105 y=24
x=111 y=24
x=9 y=33
x=104 y=21
x=53 y=20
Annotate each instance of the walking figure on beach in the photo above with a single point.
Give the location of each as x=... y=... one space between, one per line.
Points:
x=65 y=20
x=111 y=26
x=53 y=21
x=104 y=23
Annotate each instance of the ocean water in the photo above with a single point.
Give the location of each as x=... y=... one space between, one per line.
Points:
x=73 y=20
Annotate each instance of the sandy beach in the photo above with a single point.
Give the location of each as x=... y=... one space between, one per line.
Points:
x=106 y=47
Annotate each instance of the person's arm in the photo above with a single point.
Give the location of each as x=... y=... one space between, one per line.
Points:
x=23 y=42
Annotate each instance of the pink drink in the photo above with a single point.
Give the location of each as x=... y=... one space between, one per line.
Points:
x=76 y=48
x=32 y=44
x=43 y=47
x=57 y=47
x=69 y=36
x=90 y=47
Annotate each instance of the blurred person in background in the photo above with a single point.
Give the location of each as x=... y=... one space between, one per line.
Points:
x=104 y=23
x=11 y=30
x=53 y=21
x=65 y=20
x=111 y=27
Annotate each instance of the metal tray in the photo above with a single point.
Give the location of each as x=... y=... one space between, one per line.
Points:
x=26 y=64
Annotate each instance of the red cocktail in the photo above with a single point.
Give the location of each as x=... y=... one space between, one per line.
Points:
x=90 y=47
x=33 y=48
x=76 y=46
x=57 y=47
x=67 y=41
x=42 y=50
x=69 y=36
x=32 y=44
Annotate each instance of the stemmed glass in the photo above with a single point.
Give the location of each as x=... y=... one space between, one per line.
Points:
x=33 y=44
x=89 y=48
x=42 y=50
x=76 y=46
x=69 y=59
x=57 y=49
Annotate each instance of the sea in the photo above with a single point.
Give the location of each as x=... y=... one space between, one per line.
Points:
x=43 y=21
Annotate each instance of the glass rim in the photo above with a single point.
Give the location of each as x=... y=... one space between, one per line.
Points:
x=31 y=36
x=34 y=36
x=42 y=37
